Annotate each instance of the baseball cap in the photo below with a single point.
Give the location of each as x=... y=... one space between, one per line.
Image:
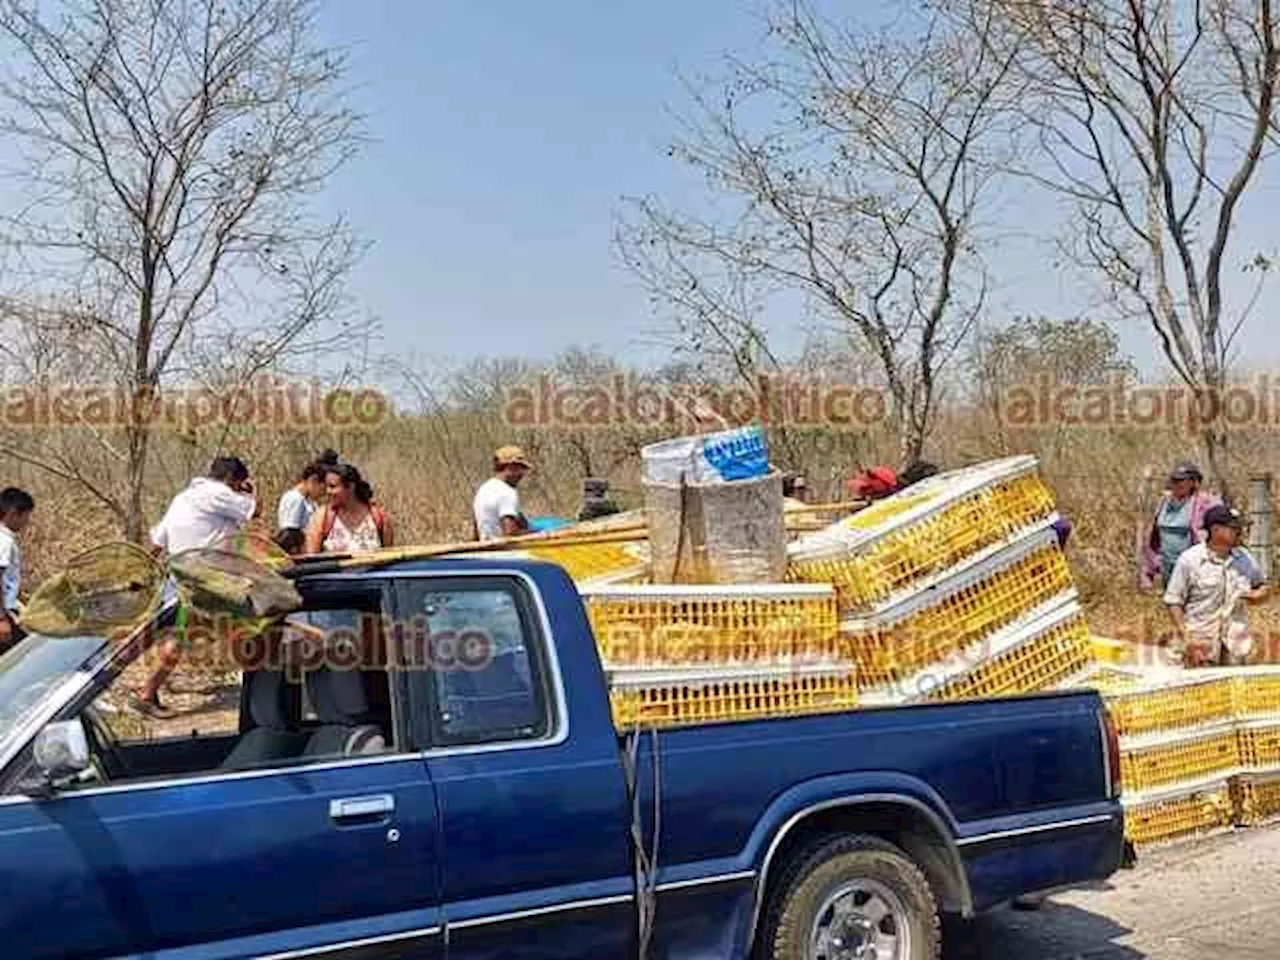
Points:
x=1223 y=516
x=875 y=482
x=507 y=456
x=1186 y=471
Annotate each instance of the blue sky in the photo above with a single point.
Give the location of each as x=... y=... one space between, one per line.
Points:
x=507 y=133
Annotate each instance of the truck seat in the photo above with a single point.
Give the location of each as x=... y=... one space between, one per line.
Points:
x=272 y=735
x=496 y=697
x=347 y=726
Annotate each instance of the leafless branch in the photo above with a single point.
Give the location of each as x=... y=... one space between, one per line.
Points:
x=851 y=172
x=1152 y=118
x=174 y=146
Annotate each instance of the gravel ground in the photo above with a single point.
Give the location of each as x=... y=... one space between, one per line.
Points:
x=1212 y=899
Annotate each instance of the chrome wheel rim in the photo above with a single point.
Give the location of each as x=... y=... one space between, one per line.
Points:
x=861 y=920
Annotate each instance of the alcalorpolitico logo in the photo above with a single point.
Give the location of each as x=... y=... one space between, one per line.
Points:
x=363 y=642
x=625 y=399
x=263 y=401
x=1045 y=401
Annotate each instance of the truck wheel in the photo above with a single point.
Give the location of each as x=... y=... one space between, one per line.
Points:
x=853 y=898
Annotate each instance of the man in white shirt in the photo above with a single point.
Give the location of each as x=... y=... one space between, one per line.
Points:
x=207 y=512
x=210 y=509
x=1209 y=589
x=497 y=502
x=15 y=511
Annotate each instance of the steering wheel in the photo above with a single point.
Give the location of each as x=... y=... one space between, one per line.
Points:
x=107 y=761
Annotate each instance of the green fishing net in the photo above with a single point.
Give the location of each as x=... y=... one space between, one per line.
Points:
x=110 y=587
x=219 y=583
x=119 y=586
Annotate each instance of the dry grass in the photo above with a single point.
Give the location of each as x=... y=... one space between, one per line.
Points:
x=425 y=470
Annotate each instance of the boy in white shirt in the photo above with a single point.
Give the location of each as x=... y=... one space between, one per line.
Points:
x=298 y=505
x=497 y=502
x=15 y=511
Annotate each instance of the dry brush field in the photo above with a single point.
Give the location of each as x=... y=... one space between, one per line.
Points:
x=425 y=469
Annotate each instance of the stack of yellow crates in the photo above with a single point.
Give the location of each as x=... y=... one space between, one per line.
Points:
x=1255 y=693
x=681 y=653
x=1199 y=749
x=897 y=543
x=954 y=588
x=1178 y=752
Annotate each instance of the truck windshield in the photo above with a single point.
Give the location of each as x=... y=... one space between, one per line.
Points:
x=34 y=667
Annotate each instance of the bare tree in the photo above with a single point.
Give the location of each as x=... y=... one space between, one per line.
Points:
x=41 y=350
x=1078 y=352
x=1154 y=117
x=852 y=171
x=597 y=439
x=168 y=151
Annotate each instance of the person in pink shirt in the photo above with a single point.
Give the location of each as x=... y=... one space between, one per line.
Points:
x=1176 y=525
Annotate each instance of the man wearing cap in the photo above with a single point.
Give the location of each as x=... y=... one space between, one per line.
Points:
x=497 y=502
x=1178 y=524
x=1208 y=592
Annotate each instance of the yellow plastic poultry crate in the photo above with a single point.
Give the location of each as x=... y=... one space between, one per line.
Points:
x=1179 y=814
x=1034 y=655
x=687 y=624
x=1107 y=679
x=1255 y=798
x=1107 y=650
x=1255 y=691
x=979 y=599
x=1259 y=743
x=587 y=561
x=663 y=699
x=1155 y=761
x=1175 y=704
x=925 y=530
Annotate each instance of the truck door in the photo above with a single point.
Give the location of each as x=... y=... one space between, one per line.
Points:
x=532 y=802
x=332 y=853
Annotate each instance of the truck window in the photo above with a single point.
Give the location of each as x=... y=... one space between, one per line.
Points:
x=314 y=689
x=478 y=671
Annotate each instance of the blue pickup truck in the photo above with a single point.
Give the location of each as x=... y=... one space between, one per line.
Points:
x=444 y=780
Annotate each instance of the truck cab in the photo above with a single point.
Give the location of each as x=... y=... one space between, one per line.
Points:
x=422 y=762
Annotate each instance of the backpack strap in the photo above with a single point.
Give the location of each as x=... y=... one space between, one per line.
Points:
x=330 y=518
x=327 y=521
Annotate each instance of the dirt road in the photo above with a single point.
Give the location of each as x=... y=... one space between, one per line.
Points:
x=1217 y=898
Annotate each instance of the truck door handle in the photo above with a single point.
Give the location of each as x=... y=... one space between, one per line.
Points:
x=361 y=809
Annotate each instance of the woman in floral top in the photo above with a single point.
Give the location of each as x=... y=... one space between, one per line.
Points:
x=351 y=521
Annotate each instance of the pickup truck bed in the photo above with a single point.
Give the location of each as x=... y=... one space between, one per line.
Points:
x=993 y=800
x=506 y=817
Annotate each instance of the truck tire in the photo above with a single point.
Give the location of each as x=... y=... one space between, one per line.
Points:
x=845 y=895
